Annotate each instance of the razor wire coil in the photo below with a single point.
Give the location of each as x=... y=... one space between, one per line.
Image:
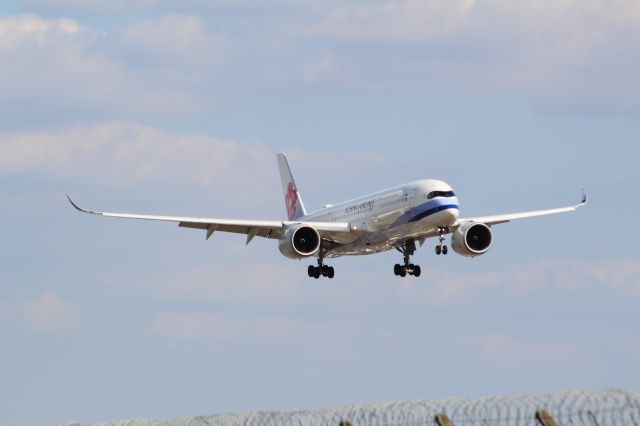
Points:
x=573 y=407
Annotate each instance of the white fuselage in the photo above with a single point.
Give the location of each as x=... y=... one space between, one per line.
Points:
x=386 y=217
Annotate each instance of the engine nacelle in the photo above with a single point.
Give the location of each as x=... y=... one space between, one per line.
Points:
x=299 y=242
x=472 y=239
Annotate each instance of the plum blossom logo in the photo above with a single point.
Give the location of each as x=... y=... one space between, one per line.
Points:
x=291 y=199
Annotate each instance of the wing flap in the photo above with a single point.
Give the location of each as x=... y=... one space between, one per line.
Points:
x=265 y=232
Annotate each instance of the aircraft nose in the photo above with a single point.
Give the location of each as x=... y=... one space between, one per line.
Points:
x=454 y=211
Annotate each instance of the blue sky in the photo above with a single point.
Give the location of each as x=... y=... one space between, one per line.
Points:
x=179 y=108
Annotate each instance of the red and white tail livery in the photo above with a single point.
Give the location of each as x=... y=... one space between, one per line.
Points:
x=292 y=197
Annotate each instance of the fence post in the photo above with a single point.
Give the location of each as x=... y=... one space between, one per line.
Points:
x=443 y=420
x=544 y=418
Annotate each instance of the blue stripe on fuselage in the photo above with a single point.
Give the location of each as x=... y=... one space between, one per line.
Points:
x=423 y=210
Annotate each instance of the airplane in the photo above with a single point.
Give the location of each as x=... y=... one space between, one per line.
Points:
x=394 y=218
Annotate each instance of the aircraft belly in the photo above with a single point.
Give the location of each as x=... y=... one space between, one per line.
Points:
x=391 y=237
x=342 y=237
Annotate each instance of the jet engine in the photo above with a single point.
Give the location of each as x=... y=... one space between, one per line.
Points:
x=299 y=242
x=472 y=239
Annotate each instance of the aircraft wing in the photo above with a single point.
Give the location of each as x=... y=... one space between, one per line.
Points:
x=503 y=218
x=252 y=228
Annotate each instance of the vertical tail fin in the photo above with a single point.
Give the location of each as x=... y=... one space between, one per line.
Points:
x=292 y=198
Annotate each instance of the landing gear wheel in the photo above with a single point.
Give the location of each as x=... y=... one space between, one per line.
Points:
x=438 y=249
x=445 y=250
x=407 y=249
x=321 y=270
x=324 y=270
x=417 y=271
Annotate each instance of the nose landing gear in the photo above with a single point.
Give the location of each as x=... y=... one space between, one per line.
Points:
x=442 y=248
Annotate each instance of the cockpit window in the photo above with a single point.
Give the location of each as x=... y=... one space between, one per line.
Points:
x=447 y=194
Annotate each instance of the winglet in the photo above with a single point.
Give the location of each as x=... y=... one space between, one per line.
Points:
x=77 y=207
x=585 y=199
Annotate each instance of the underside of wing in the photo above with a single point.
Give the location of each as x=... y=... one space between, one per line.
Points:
x=265 y=229
x=251 y=228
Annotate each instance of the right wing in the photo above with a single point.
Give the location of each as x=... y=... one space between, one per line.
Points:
x=252 y=228
x=503 y=218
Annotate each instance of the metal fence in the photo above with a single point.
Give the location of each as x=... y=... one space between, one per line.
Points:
x=574 y=407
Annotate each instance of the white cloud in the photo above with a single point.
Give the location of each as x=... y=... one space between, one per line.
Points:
x=396 y=20
x=432 y=20
x=569 y=53
x=127 y=154
x=206 y=176
x=174 y=41
x=15 y=30
x=58 y=69
x=130 y=153
x=50 y=314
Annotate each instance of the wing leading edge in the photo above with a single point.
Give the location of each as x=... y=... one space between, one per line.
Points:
x=503 y=218
x=252 y=228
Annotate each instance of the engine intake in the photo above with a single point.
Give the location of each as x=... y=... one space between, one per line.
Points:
x=472 y=239
x=298 y=242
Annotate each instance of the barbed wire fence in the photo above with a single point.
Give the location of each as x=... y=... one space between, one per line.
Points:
x=573 y=407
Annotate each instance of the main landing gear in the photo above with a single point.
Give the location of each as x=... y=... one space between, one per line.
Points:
x=320 y=270
x=407 y=249
x=442 y=248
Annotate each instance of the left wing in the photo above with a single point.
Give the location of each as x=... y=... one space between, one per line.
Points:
x=252 y=228
x=502 y=218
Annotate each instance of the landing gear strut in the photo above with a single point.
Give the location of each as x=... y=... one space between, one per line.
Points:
x=321 y=269
x=407 y=249
x=442 y=248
